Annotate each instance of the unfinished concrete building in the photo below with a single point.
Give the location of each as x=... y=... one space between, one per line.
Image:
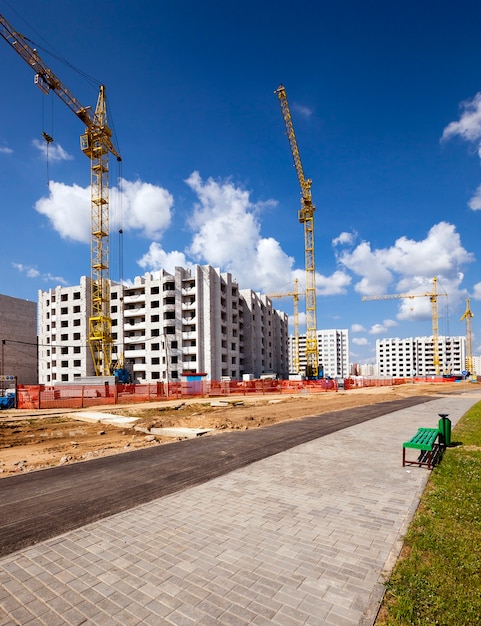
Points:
x=266 y=337
x=18 y=340
x=333 y=347
x=165 y=326
x=414 y=356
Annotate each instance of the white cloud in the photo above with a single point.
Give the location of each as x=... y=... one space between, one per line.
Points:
x=32 y=272
x=357 y=328
x=469 y=125
x=28 y=270
x=145 y=208
x=477 y=291
x=227 y=235
x=53 y=152
x=301 y=316
x=379 y=329
x=390 y=323
x=5 y=150
x=343 y=239
x=303 y=110
x=412 y=262
x=475 y=202
x=360 y=341
x=332 y=285
x=157 y=258
x=367 y=263
x=68 y=209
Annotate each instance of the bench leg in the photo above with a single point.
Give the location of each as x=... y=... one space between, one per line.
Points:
x=430 y=454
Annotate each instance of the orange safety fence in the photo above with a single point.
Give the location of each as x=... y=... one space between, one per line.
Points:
x=82 y=396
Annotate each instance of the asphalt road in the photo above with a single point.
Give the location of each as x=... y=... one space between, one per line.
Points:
x=44 y=504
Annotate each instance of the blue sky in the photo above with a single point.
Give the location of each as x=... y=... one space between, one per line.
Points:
x=385 y=100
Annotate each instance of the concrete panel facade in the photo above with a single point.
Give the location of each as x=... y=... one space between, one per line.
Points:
x=265 y=336
x=415 y=356
x=167 y=326
x=333 y=347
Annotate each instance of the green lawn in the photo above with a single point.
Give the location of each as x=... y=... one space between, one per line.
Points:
x=437 y=580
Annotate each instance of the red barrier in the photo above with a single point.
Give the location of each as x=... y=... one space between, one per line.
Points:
x=81 y=396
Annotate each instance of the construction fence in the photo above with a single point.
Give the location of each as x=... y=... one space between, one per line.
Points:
x=84 y=396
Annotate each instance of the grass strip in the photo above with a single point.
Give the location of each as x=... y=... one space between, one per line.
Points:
x=437 y=579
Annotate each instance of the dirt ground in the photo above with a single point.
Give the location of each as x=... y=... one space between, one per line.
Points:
x=36 y=440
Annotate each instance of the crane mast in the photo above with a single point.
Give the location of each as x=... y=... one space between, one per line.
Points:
x=306 y=217
x=96 y=144
x=295 y=295
x=467 y=317
x=433 y=298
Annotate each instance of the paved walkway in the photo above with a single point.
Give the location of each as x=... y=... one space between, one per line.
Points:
x=302 y=537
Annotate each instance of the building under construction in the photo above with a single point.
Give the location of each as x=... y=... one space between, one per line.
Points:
x=333 y=351
x=164 y=326
x=415 y=356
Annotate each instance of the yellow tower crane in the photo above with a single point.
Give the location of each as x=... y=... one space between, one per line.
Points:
x=96 y=144
x=293 y=294
x=306 y=217
x=433 y=297
x=467 y=316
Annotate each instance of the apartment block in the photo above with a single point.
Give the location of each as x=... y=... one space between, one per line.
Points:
x=63 y=314
x=333 y=347
x=266 y=336
x=414 y=356
x=166 y=326
x=18 y=340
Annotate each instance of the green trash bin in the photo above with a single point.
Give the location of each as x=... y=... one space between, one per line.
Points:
x=444 y=426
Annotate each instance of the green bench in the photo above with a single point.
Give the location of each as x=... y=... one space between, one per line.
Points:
x=425 y=440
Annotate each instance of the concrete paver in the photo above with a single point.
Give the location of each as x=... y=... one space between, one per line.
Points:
x=302 y=537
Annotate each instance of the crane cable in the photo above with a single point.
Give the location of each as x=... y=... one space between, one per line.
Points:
x=47 y=137
x=117 y=215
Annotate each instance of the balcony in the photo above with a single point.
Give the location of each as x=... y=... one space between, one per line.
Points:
x=138 y=326
x=134 y=354
x=135 y=339
x=137 y=312
x=134 y=298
